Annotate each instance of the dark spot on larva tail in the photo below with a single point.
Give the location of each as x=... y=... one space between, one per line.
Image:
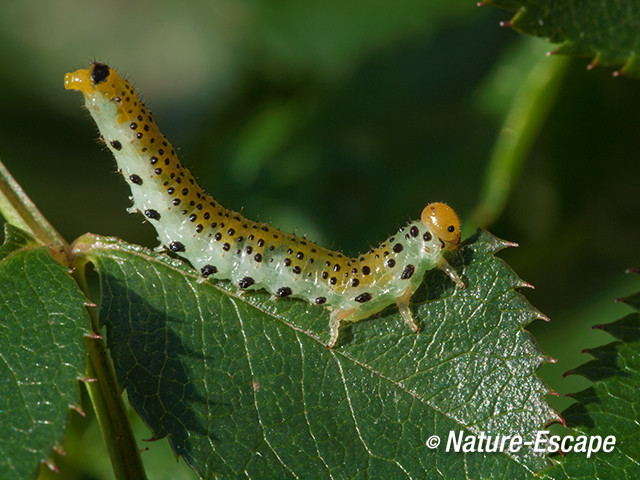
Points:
x=208 y=270
x=321 y=300
x=176 y=247
x=152 y=214
x=363 y=297
x=116 y=144
x=283 y=292
x=135 y=179
x=246 y=282
x=426 y=236
x=408 y=272
x=99 y=73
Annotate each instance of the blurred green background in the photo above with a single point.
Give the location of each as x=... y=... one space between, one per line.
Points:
x=340 y=120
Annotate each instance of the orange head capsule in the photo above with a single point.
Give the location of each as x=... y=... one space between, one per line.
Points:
x=443 y=222
x=101 y=80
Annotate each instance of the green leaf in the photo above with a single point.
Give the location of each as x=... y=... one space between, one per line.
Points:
x=42 y=323
x=246 y=385
x=610 y=406
x=608 y=31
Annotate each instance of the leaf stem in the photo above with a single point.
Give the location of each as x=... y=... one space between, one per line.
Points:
x=529 y=108
x=107 y=401
x=18 y=209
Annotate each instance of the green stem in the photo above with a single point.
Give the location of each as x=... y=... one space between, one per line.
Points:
x=18 y=209
x=529 y=108
x=107 y=402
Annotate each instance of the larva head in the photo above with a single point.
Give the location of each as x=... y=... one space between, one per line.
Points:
x=443 y=222
x=100 y=82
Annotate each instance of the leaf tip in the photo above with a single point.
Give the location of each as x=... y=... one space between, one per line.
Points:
x=51 y=466
x=78 y=409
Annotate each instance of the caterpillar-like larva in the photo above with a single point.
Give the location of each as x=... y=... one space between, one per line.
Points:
x=222 y=244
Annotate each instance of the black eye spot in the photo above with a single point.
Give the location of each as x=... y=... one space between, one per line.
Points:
x=451 y=229
x=99 y=73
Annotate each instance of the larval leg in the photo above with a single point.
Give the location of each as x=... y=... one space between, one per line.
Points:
x=448 y=269
x=334 y=324
x=403 y=306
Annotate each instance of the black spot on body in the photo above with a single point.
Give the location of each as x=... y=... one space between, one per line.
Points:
x=116 y=144
x=135 y=179
x=355 y=282
x=391 y=263
x=414 y=231
x=226 y=247
x=246 y=282
x=208 y=270
x=397 y=248
x=283 y=292
x=176 y=247
x=152 y=214
x=321 y=300
x=257 y=257
x=408 y=272
x=426 y=236
x=296 y=269
x=363 y=297
x=366 y=270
